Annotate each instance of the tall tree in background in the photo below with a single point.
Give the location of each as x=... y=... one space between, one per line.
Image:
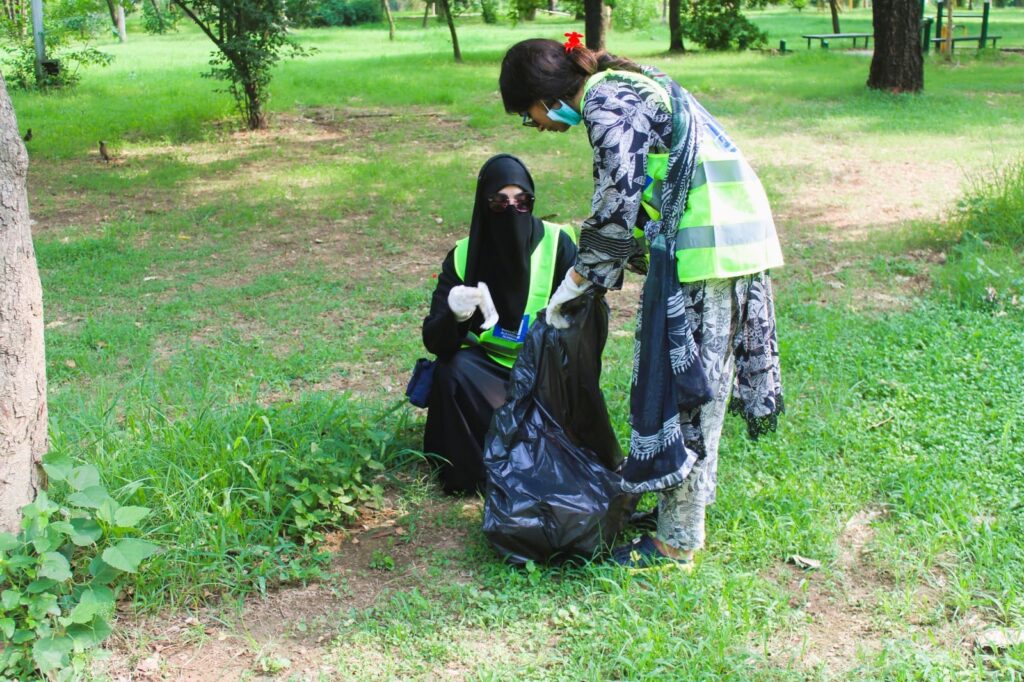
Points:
x=250 y=36
x=23 y=414
x=446 y=7
x=833 y=5
x=897 y=65
x=593 y=24
x=675 y=27
x=391 y=20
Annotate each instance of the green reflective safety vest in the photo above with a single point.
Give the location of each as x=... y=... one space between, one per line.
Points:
x=727 y=229
x=502 y=345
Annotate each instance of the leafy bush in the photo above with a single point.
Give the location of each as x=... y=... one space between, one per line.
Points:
x=66 y=32
x=242 y=494
x=60 y=573
x=986 y=267
x=489 y=11
x=160 y=17
x=629 y=15
x=720 y=25
x=346 y=13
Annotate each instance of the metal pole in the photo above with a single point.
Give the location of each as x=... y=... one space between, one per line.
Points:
x=37 y=36
x=938 y=20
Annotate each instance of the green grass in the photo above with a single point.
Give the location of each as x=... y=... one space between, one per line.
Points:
x=225 y=307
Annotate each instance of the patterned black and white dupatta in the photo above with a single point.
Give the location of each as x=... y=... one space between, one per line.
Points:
x=667 y=374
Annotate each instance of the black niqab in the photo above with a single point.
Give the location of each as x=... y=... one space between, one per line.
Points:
x=500 y=244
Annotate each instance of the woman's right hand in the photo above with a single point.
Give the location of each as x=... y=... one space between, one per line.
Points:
x=573 y=286
x=463 y=301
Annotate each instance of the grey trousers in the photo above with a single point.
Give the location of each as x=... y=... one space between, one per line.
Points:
x=713 y=309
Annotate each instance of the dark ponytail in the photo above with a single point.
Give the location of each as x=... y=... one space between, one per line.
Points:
x=541 y=70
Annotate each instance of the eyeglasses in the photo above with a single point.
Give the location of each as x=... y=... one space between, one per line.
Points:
x=529 y=122
x=499 y=203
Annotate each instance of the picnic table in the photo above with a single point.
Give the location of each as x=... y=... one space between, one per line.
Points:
x=822 y=37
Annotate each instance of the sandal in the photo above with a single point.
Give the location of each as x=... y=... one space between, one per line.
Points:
x=643 y=553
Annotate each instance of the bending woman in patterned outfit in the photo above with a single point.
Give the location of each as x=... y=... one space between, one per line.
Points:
x=657 y=149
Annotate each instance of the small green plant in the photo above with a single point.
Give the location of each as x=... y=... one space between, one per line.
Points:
x=381 y=561
x=61 y=571
x=986 y=267
x=489 y=11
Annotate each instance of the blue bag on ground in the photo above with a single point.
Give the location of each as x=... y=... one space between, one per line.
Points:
x=551 y=454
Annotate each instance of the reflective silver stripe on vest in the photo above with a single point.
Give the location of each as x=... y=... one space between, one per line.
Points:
x=709 y=236
x=722 y=170
x=717 y=171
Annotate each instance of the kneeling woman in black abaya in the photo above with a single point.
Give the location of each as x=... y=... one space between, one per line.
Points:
x=521 y=260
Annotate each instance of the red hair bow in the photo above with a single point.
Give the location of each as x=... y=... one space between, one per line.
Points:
x=573 y=41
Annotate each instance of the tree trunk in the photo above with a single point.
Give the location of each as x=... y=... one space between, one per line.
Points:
x=593 y=24
x=112 y=8
x=255 y=117
x=391 y=19
x=23 y=438
x=675 y=27
x=897 y=64
x=426 y=13
x=834 y=6
x=949 y=30
x=446 y=8
x=122 y=34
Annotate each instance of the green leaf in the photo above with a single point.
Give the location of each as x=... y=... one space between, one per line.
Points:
x=94 y=601
x=128 y=517
x=54 y=566
x=85 y=476
x=107 y=510
x=51 y=653
x=90 y=498
x=8 y=542
x=127 y=554
x=102 y=572
x=22 y=636
x=10 y=599
x=57 y=467
x=41 y=585
x=85 y=532
x=89 y=635
x=7 y=627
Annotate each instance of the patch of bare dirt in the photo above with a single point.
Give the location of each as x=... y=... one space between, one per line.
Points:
x=839 y=624
x=289 y=634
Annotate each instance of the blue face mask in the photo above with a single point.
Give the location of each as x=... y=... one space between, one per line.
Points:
x=564 y=113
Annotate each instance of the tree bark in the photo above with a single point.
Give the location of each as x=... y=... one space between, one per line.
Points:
x=391 y=19
x=593 y=24
x=675 y=27
x=426 y=13
x=834 y=6
x=446 y=8
x=122 y=33
x=23 y=414
x=897 y=64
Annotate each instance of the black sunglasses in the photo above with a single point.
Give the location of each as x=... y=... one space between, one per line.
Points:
x=499 y=203
x=529 y=122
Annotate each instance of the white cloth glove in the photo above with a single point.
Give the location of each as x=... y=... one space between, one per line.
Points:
x=463 y=301
x=567 y=291
x=486 y=306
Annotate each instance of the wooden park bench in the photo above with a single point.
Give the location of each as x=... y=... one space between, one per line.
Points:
x=980 y=40
x=822 y=37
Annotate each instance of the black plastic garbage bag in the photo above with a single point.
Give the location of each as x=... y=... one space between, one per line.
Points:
x=551 y=453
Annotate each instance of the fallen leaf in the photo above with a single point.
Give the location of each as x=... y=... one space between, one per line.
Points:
x=803 y=562
x=55 y=323
x=70 y=363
